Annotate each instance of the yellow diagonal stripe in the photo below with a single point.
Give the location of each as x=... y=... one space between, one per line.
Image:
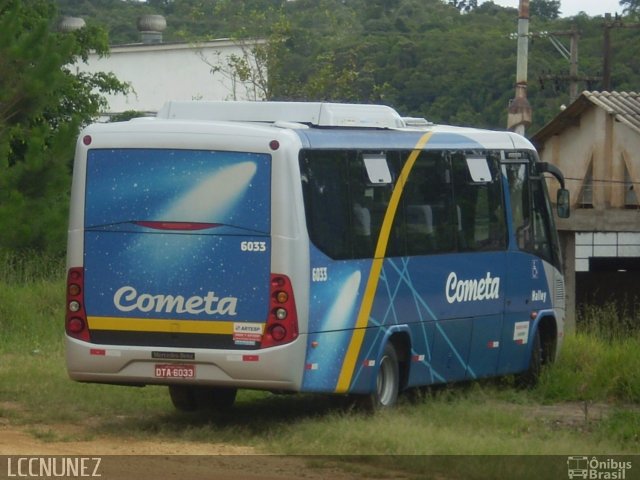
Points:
x=348 y=366
x=159 y=325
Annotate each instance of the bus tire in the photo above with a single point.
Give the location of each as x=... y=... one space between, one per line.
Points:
x=183 y=398
x=189 y=398
x=529 y=378
x=215 y=398
x=387 y=385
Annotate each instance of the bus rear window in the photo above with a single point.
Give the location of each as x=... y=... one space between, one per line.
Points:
x=171 y=185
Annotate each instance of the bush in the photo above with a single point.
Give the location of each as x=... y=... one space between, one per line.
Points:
x=601 y=362
x=611 y=321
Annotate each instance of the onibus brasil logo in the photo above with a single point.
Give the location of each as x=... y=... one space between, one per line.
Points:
x=597 y=469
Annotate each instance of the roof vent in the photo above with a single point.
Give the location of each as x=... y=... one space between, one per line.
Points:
x=70 y=24
x=416 y=122
x=151 y=28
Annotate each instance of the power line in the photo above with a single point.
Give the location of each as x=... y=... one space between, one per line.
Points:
x=596 y=180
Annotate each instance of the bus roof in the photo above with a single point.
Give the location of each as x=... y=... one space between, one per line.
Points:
x=406 y=139
x=354 y=125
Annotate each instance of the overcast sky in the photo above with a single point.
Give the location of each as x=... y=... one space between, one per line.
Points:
x=569 y=8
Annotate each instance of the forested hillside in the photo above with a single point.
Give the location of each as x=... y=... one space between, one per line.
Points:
x=449 y=61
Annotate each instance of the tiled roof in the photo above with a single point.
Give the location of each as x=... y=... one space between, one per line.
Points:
x=625 y=106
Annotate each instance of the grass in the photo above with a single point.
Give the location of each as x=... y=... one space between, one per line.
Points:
x=480 y=418
x=595 y=370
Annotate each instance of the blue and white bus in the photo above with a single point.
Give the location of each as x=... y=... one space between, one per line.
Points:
x=308 y=247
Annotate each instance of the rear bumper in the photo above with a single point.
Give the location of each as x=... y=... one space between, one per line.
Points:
x=276 y=368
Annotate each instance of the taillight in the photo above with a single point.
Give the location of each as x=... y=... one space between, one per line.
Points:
x=76 y=316
x=282 y=324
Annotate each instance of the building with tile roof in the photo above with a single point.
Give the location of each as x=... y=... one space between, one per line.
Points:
x=595 y=141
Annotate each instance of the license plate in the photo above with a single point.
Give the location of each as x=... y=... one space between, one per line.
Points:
x=175 y=371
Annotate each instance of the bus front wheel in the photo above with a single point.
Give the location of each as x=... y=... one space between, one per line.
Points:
x=529 y=378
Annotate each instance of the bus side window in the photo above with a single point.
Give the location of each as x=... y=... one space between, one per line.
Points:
x=518 y=178
x=427 y=206
x=361 y=198
x=479 y=204
x=326 y=202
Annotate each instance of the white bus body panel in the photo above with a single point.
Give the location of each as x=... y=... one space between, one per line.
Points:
x=278 y=367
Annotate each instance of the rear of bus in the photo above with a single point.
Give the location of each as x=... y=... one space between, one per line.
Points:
x=170 y=272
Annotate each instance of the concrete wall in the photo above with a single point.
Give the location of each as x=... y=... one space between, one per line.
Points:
x=599 y=144
x=178 y=71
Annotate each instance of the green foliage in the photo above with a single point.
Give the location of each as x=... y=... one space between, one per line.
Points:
x=127 y=115
x=548 y=9
x=601 y=362
x=42 y=106
x=631 y=6
x=622 y=426
x=447 y=60
x=29 y=266
x=595 y=369
x=611 y=322
x=31 y=302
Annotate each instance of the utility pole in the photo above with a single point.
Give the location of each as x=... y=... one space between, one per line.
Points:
x=607 y=52
x=573 y=64
x=571 y=55
x=519 y=112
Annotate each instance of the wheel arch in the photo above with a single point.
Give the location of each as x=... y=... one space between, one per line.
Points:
x=547 y=325
x=400 y=338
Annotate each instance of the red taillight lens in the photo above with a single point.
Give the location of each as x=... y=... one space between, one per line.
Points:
x=278 y=333
x=282 y=324
x=76 y=317
x=75 y=325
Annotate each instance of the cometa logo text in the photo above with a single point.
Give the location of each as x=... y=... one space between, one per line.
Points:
x=127 y=299
x=473 y=290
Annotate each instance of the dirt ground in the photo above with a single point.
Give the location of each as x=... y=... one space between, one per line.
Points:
x=159 y=460
x=149 y=459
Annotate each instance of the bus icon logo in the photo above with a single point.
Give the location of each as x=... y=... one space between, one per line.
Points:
x=578 y=467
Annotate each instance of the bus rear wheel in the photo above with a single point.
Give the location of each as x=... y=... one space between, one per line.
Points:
x=189 y=398
x=387 y=386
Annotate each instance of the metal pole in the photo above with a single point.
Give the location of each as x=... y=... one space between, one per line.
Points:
x=519 y=116
x=606 y=61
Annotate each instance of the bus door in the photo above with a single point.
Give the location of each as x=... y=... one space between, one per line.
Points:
x=530 y=256
x=482 y=237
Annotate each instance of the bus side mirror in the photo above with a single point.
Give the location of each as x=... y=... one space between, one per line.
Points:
x=563 y=203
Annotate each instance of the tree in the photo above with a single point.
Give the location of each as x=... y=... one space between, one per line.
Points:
x=464 y=5
x=546 y=9
x=630 y=6
x=420 y=56
x=307 y=48
x=42 y=106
